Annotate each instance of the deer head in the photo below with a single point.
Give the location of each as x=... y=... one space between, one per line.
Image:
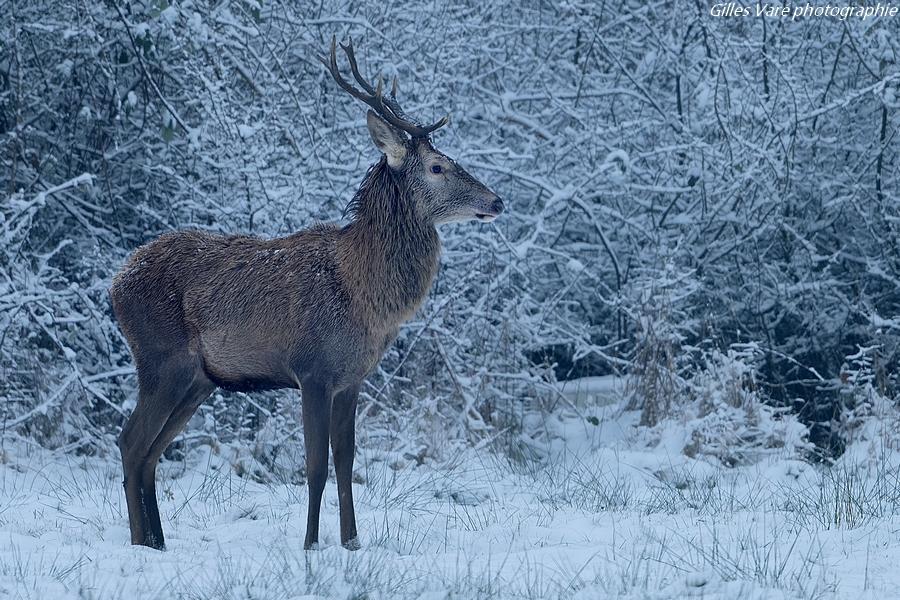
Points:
x=443 y=190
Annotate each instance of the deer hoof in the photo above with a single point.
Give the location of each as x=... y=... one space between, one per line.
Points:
x=151 y=543
x=352 y=544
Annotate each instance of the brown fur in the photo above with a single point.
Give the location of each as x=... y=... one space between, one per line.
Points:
x=245 y=313
x=267 y=313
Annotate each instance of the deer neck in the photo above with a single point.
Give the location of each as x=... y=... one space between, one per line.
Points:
x=389 y=253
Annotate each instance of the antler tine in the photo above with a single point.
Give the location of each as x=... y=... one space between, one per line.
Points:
x=388 y=108
x=332 y=66
x=354 y=67
x=324 y=60
x=436 y=125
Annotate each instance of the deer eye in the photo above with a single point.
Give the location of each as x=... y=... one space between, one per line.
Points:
x=436 y=169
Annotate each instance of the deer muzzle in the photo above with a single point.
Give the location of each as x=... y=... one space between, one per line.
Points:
x=493 y=211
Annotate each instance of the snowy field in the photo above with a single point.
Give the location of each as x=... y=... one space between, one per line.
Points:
x=610 y=511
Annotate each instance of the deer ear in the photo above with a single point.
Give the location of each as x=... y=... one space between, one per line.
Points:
x=387 y=138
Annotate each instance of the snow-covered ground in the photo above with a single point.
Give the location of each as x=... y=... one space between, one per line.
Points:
x=609 y=512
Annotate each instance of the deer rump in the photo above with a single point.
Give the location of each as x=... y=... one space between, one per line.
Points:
x=259 y=314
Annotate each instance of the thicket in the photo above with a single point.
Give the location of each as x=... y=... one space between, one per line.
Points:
x=678 y=186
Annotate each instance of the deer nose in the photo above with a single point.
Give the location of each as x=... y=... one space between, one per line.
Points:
x=497 y=206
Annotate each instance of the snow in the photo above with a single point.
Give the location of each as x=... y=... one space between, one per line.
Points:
x=247 y=131
x=600 y=391
x=606 y=514
x=575 y=266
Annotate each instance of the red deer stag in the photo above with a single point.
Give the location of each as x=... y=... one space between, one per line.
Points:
x=314 y=310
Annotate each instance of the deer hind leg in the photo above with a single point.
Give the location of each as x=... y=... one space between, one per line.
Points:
x=316 y=402
x=163 y=388
x=137 y=436
x=174 y=425
x=343 y=446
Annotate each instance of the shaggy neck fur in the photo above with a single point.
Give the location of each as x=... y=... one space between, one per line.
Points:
x=389 y=252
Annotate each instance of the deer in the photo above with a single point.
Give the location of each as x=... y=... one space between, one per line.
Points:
x=313 y=311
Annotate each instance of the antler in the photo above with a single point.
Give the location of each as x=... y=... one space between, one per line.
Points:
x=387 y=107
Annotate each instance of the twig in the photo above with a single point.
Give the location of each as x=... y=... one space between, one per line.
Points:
x=146 y=73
